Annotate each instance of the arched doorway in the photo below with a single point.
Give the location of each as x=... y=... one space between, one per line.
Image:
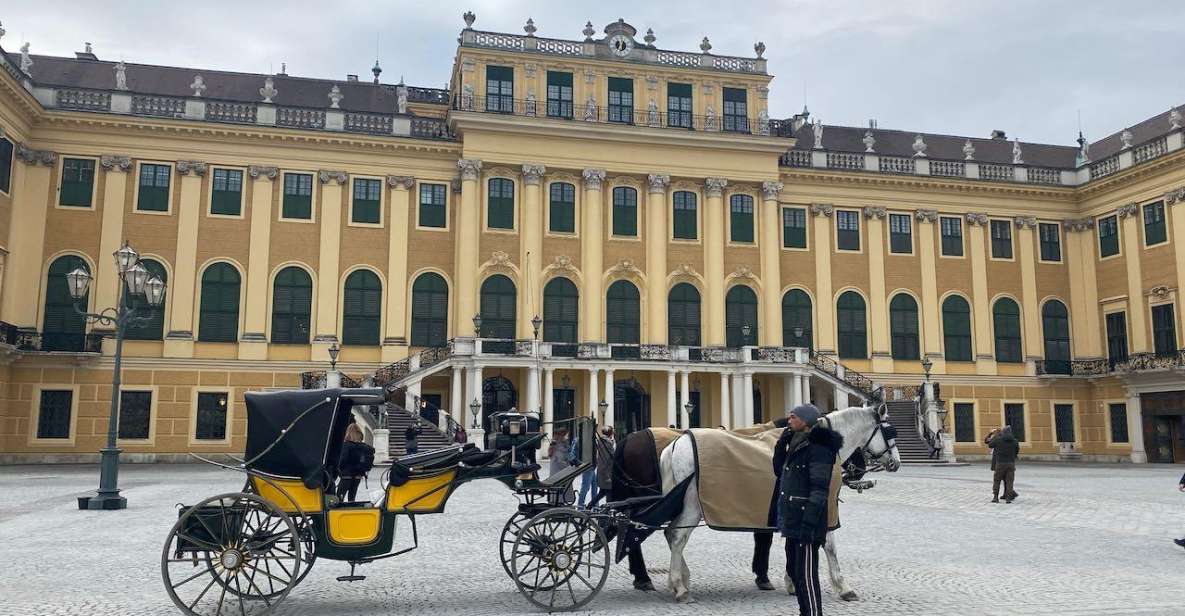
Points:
x=497 y=394
x=631 y=407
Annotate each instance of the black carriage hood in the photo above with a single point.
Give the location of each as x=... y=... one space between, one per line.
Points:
x=296 y=434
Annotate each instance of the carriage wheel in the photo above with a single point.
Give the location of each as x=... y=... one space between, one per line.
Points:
x=304 y=530
x=506 y=542
x=560 y=560
x=233 y=553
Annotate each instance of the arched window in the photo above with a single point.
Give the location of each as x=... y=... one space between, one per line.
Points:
x=154 y=327
x=796 y=319
x=903 y=326
x=1006 y=319
x=1055 y=325
x=740 y=309
x=498 y=307
x=561 y=310
x=63 y=329
x=429 y=311
x=683 y=315
x=852 y=326
x=292 y=306
x=623 y=308
x=362 y=308
x=956 y=329
x=219 y=320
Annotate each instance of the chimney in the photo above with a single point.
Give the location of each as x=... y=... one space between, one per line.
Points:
x=999 y=134
x=351 y=79
x=87 y=54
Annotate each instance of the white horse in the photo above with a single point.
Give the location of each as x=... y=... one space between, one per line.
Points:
x=862 y=428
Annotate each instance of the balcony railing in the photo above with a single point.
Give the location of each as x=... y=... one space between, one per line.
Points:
x=59 y=342
x=1136 y=362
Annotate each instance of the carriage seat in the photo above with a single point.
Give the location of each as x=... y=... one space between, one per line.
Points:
x=435 y=459
x=637 y=501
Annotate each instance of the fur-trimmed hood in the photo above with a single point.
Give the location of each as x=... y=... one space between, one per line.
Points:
x=826 y=437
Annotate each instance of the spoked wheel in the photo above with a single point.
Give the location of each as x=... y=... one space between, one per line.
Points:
x=231 y=554
x=560 y=560
x=509 y=535
x=304 y=530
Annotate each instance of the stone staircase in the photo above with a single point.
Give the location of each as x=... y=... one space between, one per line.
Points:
x=911 y=445
x=398 y=419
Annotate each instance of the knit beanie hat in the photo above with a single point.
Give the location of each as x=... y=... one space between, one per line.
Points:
x=807 y=413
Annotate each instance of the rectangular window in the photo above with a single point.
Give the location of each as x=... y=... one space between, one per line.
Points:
x=562 y=208
x=298 y=196
x=736 y=110
x=5 y=165
x=433 y=204
x=227 y=196
x=78 y=182
x=1116 y=337
x=1001 y=239
x=1154 y=226
x=685 y=224
x=1164 y=330
x=741 y=218
x=679 y=105
x=53 y=417
x=952 y=236
x=964 y=422
x=368 y=196
x=1051 y=241
x=1014 y=415
x=621 y=100
x=794 y=227
x=900 y=234
x=500 y=208
x=1063 y=418
x=1118 y=417
x=848 y=226
x=500 y=89
x=154 y=188
x=559 y=95
x=211 y=416
x=1108 y=237
x=135 y=410
x=625 y=211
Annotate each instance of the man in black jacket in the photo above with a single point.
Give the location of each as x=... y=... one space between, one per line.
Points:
x=804 y=469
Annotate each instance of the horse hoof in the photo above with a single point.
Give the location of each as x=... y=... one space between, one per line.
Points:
x=684 y=598
x=849 y=596
x=646 y=586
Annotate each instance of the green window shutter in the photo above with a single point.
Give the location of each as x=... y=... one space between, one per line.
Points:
x=226 y=198
x=501 y=204
x=53 y=417
x=367 y=208
x=433 y=205
x=292 y=305
x=965 y=422
x=1116 y=337
x=298 y=196
x=6 y=151
x=794 y=227
x=500 y=89
x=63 y=329
x=684 y=219
x=740 y=309
x=903 y=327
x=429 y=311
x=154 y=327
x=1164 y=330
x=741 y=218
x=683 y=315
x=154 y=188
x=736 y=110
x=1006 y=318
x=559 y=95
x=562 y=208
x=956 y=329
x=900 y=234
x=1118 y=417
x=1108 y=236
x=625 y=211
x=211 y=416
x=1051 y=243
x=621 y=100
x=362 y=306
x=1001 y=239
x=848 y=230
x=219 y=312
x=78 y=181
x=851 y=326
x=135 y=410
x=796 y=313
x=622 y=313
x=679 y=106
x=1154 y=224
x=499 y=308
x=561 y=311
x=1063 y=420
x=1014 y=415
x=952 y=237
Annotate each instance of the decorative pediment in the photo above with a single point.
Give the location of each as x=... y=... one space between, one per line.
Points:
x=500 y=262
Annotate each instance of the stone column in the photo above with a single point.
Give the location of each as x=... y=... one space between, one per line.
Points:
x=792 y=385
x=1135 y=428
x=608 y=397
x=183 y=286
x=725 y=401
x=683 y=414
x=593 y=397
x=531 y=247
x=806 y=389
x=548 y=414
x=842 y=400
x=672 y=400
x=476 y=435
x=981 y=311
x=824 y=329
x=395 y=335
x=1030 y=302
x=467 y=234
x=738 y=401
x=1175 y=202
x=1137 y=317
x=591 y=259
x=255 y=335
x=750 y=417
x=456 y=398
x=714 y=225
x=878 y=312
x=329 y=268
x=106 y=287
x=931 y=313
x=656 y=259
x=532 y=389
x=26 y=236
x=771 y=265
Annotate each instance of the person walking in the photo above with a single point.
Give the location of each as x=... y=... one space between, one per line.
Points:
x=804 y=469
x=411 y=438
x=588 y=479
x=1005 y=451
x=1181 y=487
x=357 y=458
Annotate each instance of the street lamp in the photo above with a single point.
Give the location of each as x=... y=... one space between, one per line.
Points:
x=334 y=351
x=687 y=407
x=798 y=332
x=536 y=323
x=139 y=282
x=474 y=407
x=926 y=365
x=477 y=325
x=746 y=329
x=604 y=407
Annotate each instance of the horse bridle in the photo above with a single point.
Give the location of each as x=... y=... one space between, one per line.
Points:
x=876 y=461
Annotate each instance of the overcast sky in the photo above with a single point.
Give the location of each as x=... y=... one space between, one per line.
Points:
x=947 y=66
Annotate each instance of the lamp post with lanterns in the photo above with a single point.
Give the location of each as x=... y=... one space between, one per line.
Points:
x=139 y=283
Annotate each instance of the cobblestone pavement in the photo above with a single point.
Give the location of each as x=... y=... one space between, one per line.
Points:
x=1080 y=540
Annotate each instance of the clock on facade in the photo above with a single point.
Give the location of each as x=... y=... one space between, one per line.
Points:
x=621 y=45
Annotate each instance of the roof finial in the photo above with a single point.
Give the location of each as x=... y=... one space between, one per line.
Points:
x=760 y=49
x=649 y=38
x=530 y=28
x=588 y=31
x=469 y=18
x=705 y=45
x=1 y=30
x=87 y=48
x=377 y=70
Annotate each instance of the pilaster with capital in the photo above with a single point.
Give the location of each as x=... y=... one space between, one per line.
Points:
x=927 y=259
x=531 y=247
x=714 y=240
x=657 y=215
x=591 y=257
x=329 y=261
x=819 y=240
x=115 y=186
x=465 y=255
x=878 y=310
x=115 y=162
x=24 y=269
x=1129 y=220
x=253 y=342
x=400 y=197
x=1079 y=242
x=770 y=255
x=196 y=167
x=1026 y=239
x=980 y=299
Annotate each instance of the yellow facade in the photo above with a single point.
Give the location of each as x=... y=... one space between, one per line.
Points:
x=773 y=169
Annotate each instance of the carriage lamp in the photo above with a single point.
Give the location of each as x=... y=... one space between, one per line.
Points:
x=604 y=406
x=926 y=365
x=474 y=407
x=536 y=323
x=746 y=329
x=687 y=407
x=477 y=325
x=334 y=351
x=136 y=276
x=798 y=332
x=154 y=291
x=125 y=257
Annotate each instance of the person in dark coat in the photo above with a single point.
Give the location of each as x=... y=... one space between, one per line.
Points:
x=411 y=437
x=1181 y=487
x=1005 y=450
x=357 y=458
x=804 y=468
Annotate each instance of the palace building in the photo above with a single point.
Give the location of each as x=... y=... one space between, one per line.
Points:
x=593 y=225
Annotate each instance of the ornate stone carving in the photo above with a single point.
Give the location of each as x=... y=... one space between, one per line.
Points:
x=198 y=86
x=121 y=76
x=1126 y=138
x=470 y=168
x=531 y=104
x=1025 y=222
x=593 y=178
x=743 y=271
x=590 y=109
x=335 y=97
x=968 y=150
x=771 y=190
x=1078 y=225
x=685 y=270
x=533 y=173
x=763 y=92
x=469 y=18
x=658 y=182
x=874 y=212
x=822 y=209
x=327 y=175
x=976 y=219
x=530 y=29
x=652 y=114
x=926 y=215
x=257 y=171
x=401 y=99
x=1159 y=292
x=401 y=181
x=115 y=162
x=467 y=97
x=710 y=118
x=1174 y=196
x=1175 y=120
x=869 y=141
x=31 y=157
x=1016 y=153
x=590 y=76
x=705 y=45
x=919 y=146
x=26 y=61
x=499 y=257
x=652 y=82
x=763 y=123
x=1130 y=209
x=714 y=187
x=268 y=91
x=625 y=266
x=197 y=167
x=563 y=263
x=649 y=38
x=817 y=130
x=760 y=49
x=588 y=32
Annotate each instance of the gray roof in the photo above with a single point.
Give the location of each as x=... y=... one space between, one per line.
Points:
x=1147 y=130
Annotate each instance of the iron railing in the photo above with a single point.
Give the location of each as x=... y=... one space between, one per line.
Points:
x=1136 y=362
x=59 y=342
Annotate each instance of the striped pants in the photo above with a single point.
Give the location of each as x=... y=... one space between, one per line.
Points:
x=802 y=565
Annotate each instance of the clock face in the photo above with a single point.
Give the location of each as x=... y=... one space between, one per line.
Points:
x=621 y=45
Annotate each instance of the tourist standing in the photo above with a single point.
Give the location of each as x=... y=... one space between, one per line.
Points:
x=1181 y=487
x=411 y=437
x=1005 y=451
x=357 y=458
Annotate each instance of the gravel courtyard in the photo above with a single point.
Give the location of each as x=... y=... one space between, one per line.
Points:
x=1080 y=540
